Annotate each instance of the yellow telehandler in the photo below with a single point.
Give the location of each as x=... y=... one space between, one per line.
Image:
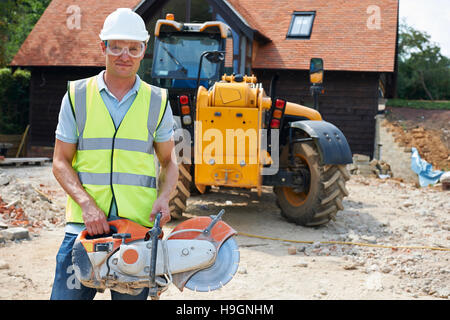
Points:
x=234 y=135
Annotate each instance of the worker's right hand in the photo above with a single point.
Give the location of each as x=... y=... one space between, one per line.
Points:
x=94 y=219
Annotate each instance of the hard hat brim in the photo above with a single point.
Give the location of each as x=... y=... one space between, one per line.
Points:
x=121 y=37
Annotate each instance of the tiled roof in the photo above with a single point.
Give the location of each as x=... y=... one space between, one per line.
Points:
x=58 y=40
x=340 y=34
x=351 y=35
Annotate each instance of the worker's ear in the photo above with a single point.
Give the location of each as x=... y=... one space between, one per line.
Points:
x=145 y=49
x=103 y=46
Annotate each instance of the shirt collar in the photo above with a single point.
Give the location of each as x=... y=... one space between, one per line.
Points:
x=102 y=85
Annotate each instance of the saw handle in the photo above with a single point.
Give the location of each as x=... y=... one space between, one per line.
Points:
x=122 y=236
x=154 y=234
x=157 y=220
x=214 y=220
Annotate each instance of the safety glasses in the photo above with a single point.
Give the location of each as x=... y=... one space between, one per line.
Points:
x=134 y=50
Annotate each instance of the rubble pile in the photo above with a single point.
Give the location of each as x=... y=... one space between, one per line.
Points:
x=12 y=214
x=363 y=166
x=23 y=205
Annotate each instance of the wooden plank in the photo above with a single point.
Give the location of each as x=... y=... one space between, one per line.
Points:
x=23 y=161
x=24 y=136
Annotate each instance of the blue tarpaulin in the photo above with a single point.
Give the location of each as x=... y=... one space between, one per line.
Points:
x=424 y=170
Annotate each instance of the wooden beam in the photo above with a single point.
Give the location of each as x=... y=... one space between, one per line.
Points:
x=149 y=8
x=22 y=142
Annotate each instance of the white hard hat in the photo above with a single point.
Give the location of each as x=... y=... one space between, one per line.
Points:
x=124 y=24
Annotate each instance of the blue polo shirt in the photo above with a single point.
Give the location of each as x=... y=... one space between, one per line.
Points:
x=66 y=129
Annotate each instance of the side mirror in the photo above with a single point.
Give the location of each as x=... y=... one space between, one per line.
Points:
x=215 y=56
x=211 y=56
x=316 y=71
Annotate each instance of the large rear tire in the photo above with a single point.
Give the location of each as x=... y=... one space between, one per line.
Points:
x=322 y=197
x=177 y=203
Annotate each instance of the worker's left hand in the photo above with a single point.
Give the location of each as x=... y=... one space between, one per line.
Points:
x=161 y=205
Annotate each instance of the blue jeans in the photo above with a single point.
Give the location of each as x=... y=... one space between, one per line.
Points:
x=67 y=287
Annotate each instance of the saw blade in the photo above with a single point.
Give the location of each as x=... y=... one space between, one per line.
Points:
x=220 y=273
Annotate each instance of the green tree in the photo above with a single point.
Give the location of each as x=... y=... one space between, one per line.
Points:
x=423 y=71
x=14 y=100
x=17 y=19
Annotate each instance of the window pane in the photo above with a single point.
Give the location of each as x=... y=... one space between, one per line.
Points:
x=301 y=25
x=178 y=56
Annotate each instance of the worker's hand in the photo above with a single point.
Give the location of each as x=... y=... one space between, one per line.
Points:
x=161 y=205
x=94 y=219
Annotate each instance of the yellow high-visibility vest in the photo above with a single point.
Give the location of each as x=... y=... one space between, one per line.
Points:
x=116 y=164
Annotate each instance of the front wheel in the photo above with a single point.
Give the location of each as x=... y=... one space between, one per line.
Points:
x=322 y=195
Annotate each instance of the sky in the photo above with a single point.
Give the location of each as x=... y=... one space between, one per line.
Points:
x=431 y=16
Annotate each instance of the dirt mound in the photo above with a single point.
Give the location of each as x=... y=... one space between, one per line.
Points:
x=426 y=130
x=22 y=204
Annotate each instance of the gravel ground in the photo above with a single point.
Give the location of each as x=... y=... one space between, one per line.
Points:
x=386 y=214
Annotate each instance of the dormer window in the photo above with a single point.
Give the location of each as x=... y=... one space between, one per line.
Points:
x=301 y=24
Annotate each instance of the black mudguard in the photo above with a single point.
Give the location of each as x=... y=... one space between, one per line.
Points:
x=331 y=142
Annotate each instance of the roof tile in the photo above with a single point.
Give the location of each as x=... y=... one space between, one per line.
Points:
x=343 y=34
x=57 y=39
x=340 y=34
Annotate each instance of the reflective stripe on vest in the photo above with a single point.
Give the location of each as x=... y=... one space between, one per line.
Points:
x=117 y=178
x=116 y=164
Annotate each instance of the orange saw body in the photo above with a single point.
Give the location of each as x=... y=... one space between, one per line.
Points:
x=199 y=254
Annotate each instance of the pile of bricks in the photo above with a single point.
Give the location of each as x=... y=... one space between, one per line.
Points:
x=362 y=165
x=10 y=215
x=14 y=223
x=26 y=208
x=15 y=216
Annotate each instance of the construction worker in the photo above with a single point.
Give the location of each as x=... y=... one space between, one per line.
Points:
x=110 y=127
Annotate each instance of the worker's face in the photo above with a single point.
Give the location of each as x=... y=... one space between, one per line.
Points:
x=123 y=57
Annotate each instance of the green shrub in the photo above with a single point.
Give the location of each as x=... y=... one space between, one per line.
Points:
x=14 y=100
x=419 y=104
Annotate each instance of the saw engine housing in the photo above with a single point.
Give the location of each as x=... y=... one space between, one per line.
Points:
x=121 y=261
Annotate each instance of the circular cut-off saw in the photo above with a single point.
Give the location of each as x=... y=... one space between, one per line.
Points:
x=200 y=254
